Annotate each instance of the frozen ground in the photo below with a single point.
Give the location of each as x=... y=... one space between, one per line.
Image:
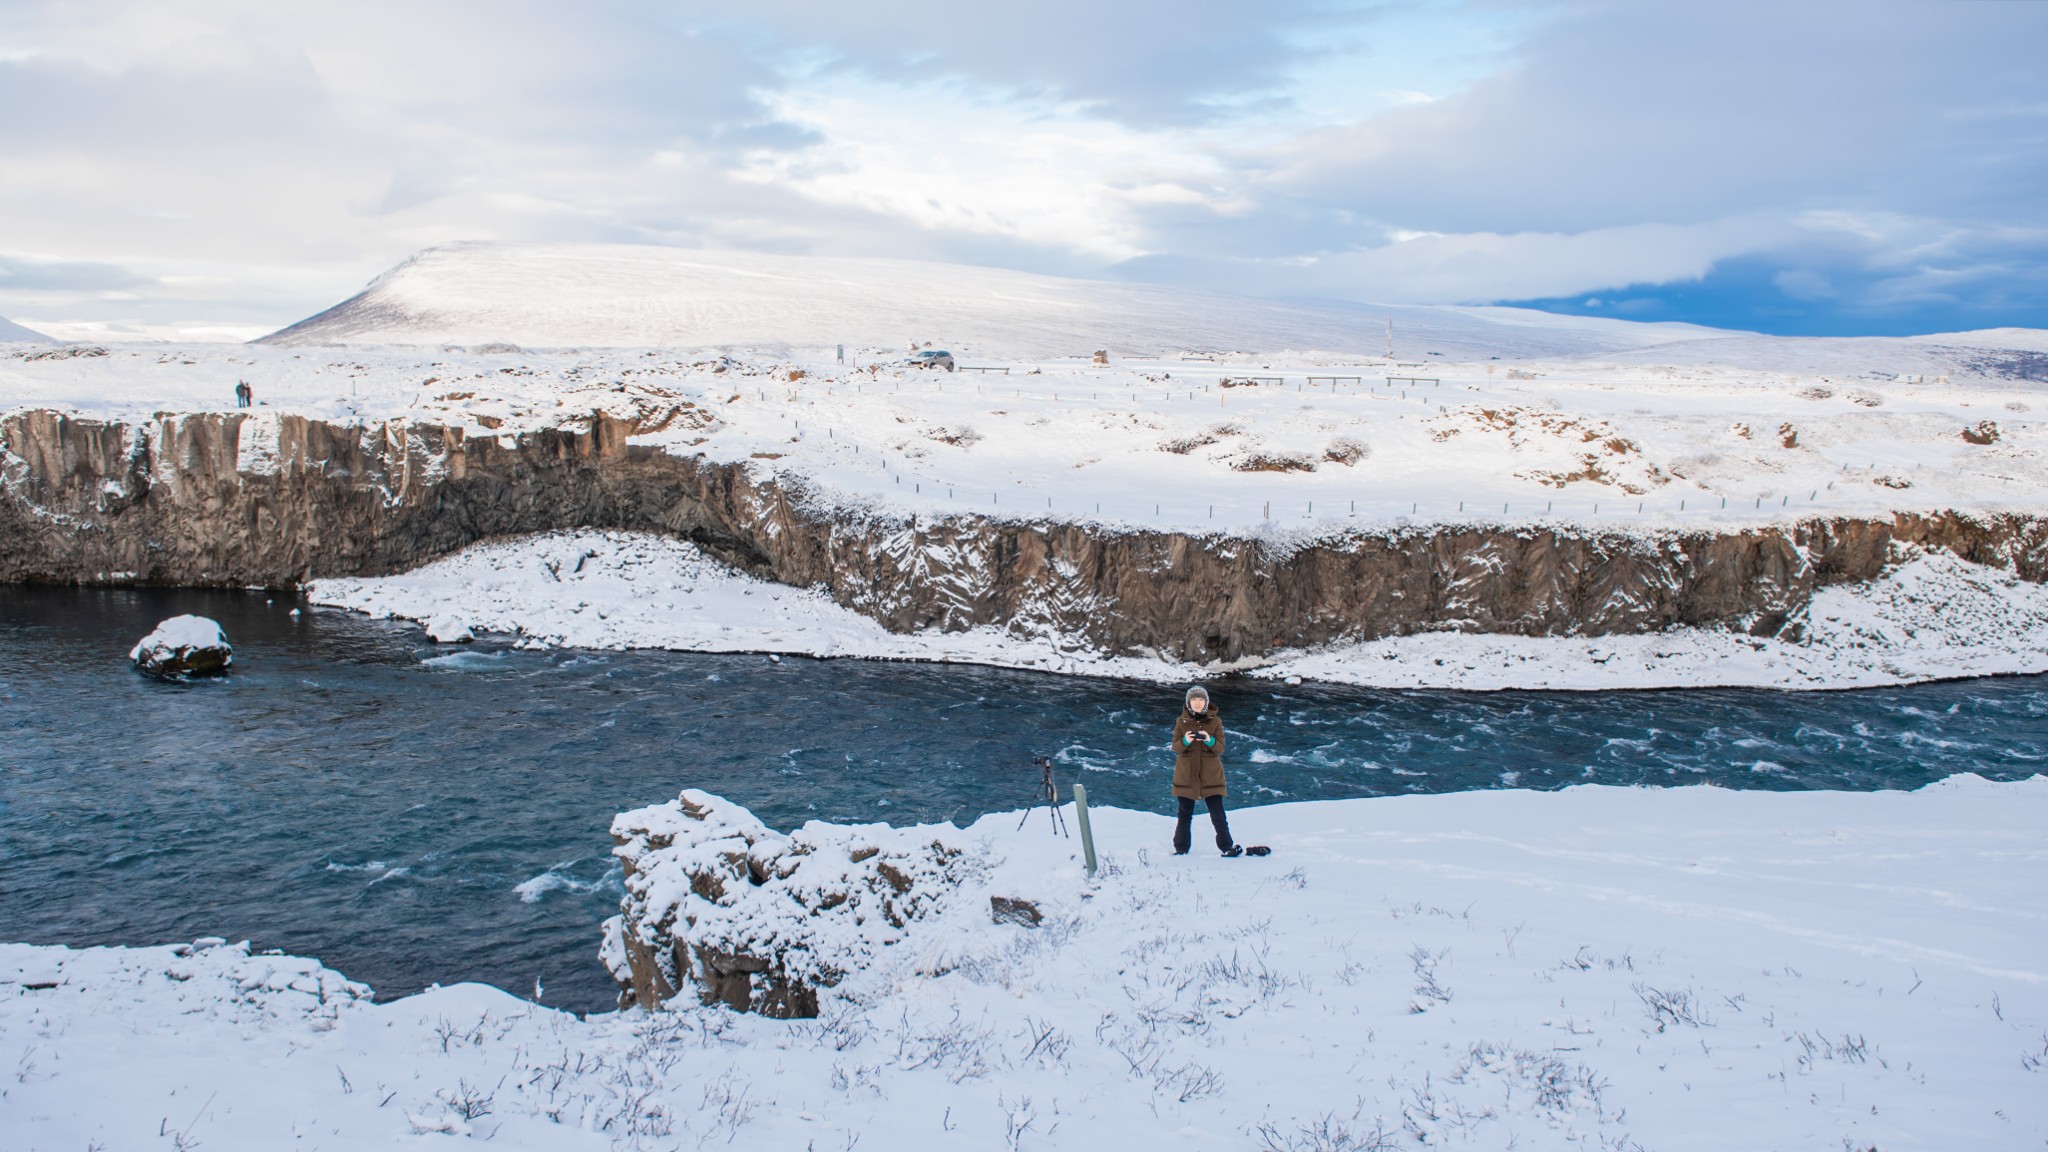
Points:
x=1931 y=617
x=1597 y=968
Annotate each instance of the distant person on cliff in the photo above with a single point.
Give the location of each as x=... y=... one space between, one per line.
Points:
x=1198 y=773
x=243 y=394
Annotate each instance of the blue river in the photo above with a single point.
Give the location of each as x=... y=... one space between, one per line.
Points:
x=414 y=814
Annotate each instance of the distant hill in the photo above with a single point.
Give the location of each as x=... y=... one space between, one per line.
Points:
x=10 y=332
x=630 y=296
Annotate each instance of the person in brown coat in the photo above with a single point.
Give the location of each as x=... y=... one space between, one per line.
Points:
x=1198 y=771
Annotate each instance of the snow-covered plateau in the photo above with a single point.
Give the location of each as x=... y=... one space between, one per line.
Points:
x=1596 y=968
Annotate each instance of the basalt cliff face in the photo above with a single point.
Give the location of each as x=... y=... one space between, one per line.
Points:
x=238 y=500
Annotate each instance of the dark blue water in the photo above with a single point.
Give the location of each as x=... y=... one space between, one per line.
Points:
x=413 y=814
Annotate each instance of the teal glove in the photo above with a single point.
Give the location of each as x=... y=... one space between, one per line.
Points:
x=1210 y=739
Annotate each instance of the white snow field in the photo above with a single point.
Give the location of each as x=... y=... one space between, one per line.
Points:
x=1597 y=968
x=1931 y=617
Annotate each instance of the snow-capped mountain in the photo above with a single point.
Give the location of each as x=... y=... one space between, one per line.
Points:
x=12 y=333
x=628 y=296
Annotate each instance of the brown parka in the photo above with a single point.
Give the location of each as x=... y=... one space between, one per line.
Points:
x=1197 y=767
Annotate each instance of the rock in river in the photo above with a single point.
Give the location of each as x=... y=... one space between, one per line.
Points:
x=184 y=646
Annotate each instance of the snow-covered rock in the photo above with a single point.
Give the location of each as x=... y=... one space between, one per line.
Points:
x=761 y=921
x=184 y=646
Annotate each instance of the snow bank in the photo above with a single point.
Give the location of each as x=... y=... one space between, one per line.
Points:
x=615 y=590
x=1608 y=968
x=184 y=646
x=1932 y=616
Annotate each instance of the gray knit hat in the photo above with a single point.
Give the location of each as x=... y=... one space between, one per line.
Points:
x=1197 y=693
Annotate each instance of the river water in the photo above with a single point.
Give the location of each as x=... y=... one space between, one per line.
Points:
x=411 y=813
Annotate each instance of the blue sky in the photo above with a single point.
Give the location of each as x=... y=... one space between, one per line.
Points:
x=215 y=168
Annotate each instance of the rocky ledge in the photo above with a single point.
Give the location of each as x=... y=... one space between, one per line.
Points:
x=760 y=921
x=234 y=499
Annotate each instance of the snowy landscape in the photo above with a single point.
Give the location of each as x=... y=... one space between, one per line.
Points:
x=1488 y=418
x=1595 y=968
x=654 y=577
x=1430 y=574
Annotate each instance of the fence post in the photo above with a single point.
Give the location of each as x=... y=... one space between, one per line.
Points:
x=1087 y=833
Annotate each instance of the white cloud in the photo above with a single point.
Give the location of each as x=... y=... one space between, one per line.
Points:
x=230 y=161
x=1477 y=267
x=939 y=158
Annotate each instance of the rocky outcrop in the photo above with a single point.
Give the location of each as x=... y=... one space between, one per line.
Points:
x=759 y=921
x=242 y=499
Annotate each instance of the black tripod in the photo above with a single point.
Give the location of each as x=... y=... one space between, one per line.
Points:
x=1049 y=795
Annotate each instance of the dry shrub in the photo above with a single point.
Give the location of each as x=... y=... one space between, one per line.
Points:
x=1274 y=462
x=1346 y=451
x=959 y=435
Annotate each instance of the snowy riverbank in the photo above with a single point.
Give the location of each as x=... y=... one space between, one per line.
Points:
x=1931 y=617
x=1593 y=968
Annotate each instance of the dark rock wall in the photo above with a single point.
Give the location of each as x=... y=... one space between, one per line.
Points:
x=165 y=502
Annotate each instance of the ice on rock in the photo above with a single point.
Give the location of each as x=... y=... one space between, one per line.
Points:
x=184 y=646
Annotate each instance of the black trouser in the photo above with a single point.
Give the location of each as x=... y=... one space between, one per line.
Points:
x=1183 y=832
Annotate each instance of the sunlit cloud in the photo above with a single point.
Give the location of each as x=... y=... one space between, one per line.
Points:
x=229 y=163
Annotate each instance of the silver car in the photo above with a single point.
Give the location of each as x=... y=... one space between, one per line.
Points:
x=932 y=358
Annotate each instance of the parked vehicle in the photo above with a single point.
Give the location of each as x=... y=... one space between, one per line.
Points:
x=932 y=358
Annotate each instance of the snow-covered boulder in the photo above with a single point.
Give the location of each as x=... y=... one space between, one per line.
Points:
x=761 y=921
x=184 y=646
